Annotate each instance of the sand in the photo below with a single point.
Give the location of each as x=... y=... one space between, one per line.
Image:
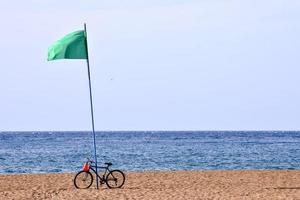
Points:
x=281 y=184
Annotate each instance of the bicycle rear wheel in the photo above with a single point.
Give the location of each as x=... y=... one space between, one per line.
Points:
x=115 y=179
x=83 y=180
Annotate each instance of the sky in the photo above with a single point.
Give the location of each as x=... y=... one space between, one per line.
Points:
x=156 y=65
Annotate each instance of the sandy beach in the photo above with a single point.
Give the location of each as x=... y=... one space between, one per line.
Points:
x=281 y=184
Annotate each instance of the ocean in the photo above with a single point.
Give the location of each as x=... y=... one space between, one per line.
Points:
x=55 y=152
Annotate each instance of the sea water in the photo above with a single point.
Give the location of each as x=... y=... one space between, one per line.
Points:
x=52 y=152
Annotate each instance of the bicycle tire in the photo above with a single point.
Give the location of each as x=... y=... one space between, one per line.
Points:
x=87 y=180
x=115 y=179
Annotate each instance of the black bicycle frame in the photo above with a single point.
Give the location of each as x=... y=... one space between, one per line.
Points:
x=106 y=170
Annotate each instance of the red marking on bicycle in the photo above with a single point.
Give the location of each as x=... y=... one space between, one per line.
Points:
x=86 y=167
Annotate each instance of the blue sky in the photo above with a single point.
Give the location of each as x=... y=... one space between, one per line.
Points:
x=156 y=65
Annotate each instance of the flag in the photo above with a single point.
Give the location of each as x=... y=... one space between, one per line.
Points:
x=72 y=46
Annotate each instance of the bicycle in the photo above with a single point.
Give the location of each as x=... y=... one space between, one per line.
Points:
x=112 y=178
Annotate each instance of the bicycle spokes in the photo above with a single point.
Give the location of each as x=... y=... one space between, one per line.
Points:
x=83 y=180
x=115 y=179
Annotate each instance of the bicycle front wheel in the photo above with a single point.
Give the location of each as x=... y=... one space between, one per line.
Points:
x=83 y=180
x=115 y=179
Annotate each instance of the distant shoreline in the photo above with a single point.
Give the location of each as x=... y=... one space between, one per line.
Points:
x=153 y=131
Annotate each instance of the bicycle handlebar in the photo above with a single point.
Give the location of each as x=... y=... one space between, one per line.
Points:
x=91 y=162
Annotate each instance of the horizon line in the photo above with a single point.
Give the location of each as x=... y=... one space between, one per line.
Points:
x=38 y=131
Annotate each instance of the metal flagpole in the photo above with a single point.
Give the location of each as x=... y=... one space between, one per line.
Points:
x=91 y=100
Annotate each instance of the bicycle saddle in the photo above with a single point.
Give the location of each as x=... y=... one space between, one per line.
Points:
x=108 y=163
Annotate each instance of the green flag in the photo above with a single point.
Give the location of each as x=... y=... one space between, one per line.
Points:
x=72 y=46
